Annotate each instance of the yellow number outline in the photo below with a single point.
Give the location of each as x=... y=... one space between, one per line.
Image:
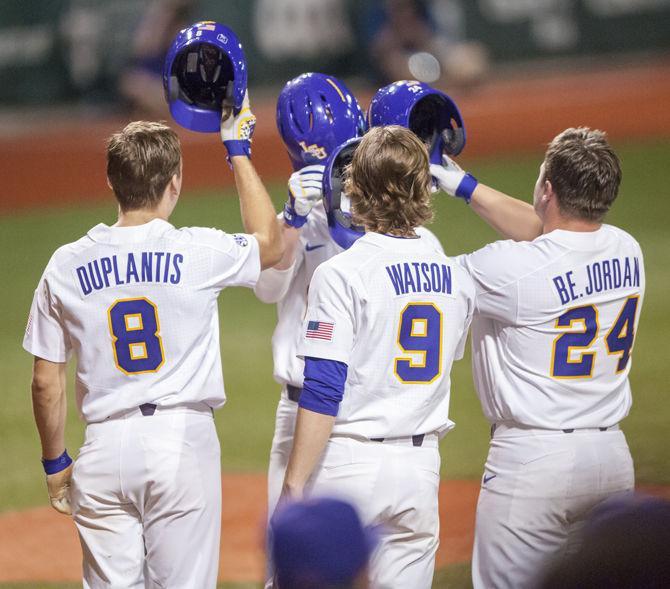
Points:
x=115 y=339
x=565 y=331
x=621 y=352
x=423 y=353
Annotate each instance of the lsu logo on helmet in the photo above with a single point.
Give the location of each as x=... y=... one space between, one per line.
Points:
x=315 y=150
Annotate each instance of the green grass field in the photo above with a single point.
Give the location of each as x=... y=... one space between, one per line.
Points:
x=246 y=423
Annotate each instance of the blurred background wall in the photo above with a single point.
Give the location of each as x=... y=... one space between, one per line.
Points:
x=68 y=51
x=74 y=71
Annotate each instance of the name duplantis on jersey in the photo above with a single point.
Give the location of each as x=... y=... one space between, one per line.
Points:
x=130 y=268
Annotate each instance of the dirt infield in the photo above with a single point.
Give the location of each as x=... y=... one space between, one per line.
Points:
x=40 y=545
x=62 y=161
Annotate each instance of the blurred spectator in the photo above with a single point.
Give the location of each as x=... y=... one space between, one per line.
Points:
x=626 y=544
x=320 y=544
x=405 y=45
x=142 y=84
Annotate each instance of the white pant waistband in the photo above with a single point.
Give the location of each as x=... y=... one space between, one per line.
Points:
x=148 y=410
x=515 y=429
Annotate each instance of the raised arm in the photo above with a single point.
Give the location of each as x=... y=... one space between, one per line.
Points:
x=258 y=213
x=511 y=217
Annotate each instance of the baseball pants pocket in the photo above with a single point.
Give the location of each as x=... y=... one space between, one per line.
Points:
x=537 y=491
x=410 y=531
x=148 y=503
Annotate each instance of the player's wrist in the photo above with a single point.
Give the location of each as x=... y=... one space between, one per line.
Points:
x=292 y=218
x=238 y=147
x=54 y=465
x=466 y=187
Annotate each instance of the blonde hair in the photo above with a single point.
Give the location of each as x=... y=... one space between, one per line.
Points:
x=388 y=181
x=584 y=172
x=141 y=161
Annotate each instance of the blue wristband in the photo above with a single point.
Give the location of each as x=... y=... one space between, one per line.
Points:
x=291 y=218
x=56 y=464
x=238 y=147
x=467 y=187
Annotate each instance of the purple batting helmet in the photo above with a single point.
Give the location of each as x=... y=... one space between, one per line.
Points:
x=315 y=114
x=204 y=72
x=340 y=224
x=431 y=114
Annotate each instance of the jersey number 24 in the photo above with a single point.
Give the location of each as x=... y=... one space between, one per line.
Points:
x=619 y=340
x=136 y=340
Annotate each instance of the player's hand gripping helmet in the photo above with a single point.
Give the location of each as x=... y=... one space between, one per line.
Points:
x=340 y=224
x=431 y=114
x=315 y=114
x=204 y=72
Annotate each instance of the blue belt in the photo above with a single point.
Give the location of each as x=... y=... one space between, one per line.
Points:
x=148 y=409
x=417 y=440
x=293 y=393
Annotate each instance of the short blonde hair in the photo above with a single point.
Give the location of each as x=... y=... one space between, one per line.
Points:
x=584 y=172
x=141 y=160
x=389 y=181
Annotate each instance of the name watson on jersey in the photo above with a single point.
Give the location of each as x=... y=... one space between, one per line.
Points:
x=603 y=275
x=420 y=277
x=134 y=268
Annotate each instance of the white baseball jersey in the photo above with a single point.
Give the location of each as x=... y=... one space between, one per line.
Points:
x=137 y=306
x=289 y=290
x=396 y=311
x=554 y=327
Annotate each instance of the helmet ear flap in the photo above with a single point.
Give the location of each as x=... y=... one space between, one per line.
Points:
x=229 y=97
x=453 y=140
x=174 y=88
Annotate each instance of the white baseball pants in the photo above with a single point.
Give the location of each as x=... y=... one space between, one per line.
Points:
x=146 y=500
x=394 y=485
x=537 y=491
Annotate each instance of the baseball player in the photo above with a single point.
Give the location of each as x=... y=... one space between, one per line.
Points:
x=136 y=304
x=552 y=339
x=315 y=114
x=384 y=323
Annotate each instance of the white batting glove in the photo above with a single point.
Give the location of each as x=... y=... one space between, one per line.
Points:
x=304 y=191
x=237 y=129
x=58 y=486
x=453 y=180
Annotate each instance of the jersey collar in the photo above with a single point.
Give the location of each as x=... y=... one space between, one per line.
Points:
x=102 y=233
x=578 y=240
x=393 y=242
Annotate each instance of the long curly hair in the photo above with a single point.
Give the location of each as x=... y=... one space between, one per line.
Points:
x=388 y=181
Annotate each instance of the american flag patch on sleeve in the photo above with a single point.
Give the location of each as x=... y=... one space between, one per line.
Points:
x=320 y=330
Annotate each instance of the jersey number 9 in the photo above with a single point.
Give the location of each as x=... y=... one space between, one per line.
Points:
x=135 y=329
x=419 y=336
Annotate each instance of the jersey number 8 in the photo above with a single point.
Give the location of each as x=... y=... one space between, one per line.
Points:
x=135 y=329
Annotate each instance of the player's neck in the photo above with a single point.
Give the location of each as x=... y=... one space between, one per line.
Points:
x=139 y=217
x=553 y=222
